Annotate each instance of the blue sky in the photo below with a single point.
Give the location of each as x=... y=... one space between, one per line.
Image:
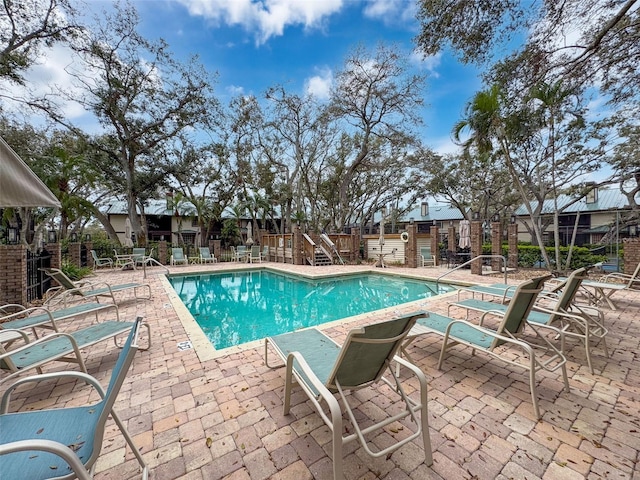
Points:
x=300 y=44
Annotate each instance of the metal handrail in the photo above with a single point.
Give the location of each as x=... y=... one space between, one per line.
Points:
x=468 y=262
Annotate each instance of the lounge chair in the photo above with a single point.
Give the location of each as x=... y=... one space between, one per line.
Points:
x=205 y=255
x=600 y=291
x=264 y=254
x=58 y=346
x=24 y=318
x=426 y=259
x=582 y=322
x=543 y=355
x=67 y=288
x=101 y=262
x=322 y=368
x=64 y=442
x=240 y=253
x=254 y=254
x=177 y=257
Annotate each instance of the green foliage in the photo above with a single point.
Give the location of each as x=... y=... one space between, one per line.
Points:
x=230 y=232
x=530 y=256
x=74 y=272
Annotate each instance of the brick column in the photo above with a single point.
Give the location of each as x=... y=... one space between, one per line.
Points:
x=411 y=247
x=631 y=254
x=55 y=250
x=496 y=246
x=452 y=245
x=512 y=261
x=13 y=281
x=435 y=251
x=476 y=246
x=216 y=247
x=162 y=252
x=74 y=254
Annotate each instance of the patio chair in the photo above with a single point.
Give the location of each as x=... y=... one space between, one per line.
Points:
x=500 y=341
x=22 y=318
x=68 y=290
x=322 y=369
x=600 y=291
x=57 y=346
x=254 y=254
x=64 y=442
x=582 y=322
x=177 y=257
x=264 y=254
x=426 y=259
x=101 y=262
x=205 y=255
x=240 y=253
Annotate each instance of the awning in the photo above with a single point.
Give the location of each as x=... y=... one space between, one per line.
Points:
x=19 y=186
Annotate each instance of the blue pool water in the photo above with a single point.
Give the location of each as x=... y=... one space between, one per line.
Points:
x=237 y=307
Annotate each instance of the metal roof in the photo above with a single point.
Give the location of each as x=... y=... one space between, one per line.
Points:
x=608 y=199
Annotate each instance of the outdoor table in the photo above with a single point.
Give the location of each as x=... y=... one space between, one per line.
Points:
x=126 y=261
x=381 y=256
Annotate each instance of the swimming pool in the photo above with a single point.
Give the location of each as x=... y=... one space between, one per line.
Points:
x=233 y=308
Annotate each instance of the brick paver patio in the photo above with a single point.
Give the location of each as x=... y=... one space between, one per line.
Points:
x=199 y=414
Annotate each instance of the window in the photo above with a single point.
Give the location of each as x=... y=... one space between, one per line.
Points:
x=424 y=209
x=592 y=195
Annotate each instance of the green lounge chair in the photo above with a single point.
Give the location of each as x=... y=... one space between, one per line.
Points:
x=426 y=259
x=254 y=255
x=24 y=317
x=177 y=257
x=205 y=255
x=582 y=322
x=58 y=346
x=100 y=262
x=322 y=368
x=64 y=442
x=542 y=355
x=67 y=288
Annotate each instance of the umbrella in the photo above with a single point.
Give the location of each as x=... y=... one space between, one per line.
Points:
x=381 y=239
x=465 y=234
x=249 y=234
x=19 y=186
x=127 y=234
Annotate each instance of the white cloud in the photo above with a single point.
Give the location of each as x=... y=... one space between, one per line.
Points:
x=429 y=63
x=267 y=18
x=235 y=90
x=391 y=11
x=320 y=85
x=442 y=145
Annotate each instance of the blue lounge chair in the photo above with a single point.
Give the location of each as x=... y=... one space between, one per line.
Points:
x=480 y=337
x=64 y=442
x=67 y=288
x=582 y=322
x=322 y=368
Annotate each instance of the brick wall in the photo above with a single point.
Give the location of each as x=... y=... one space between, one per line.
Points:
x=13 y=281
x=631 y=254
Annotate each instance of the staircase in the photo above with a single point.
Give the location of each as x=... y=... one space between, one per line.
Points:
x=321 y=258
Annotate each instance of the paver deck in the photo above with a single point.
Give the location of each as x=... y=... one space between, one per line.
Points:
x=200 y=414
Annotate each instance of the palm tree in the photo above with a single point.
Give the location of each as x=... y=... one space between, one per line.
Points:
x=488 y=131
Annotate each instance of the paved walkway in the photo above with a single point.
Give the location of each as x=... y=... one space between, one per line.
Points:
x=199 y=414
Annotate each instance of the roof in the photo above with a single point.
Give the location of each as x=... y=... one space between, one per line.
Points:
x=608 y=199
x=437 y=212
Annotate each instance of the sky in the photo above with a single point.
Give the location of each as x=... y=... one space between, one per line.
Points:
x=301 y=44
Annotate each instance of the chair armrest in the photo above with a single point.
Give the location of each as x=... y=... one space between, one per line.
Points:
x=88 y=379
x=49 y=446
